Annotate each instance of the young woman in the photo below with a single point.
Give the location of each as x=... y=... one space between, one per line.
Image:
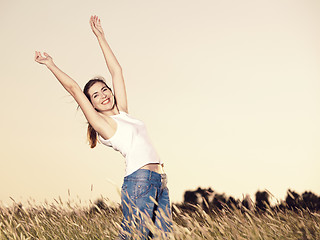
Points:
x=144 y=193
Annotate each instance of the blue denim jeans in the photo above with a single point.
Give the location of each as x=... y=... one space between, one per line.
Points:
x=145 y=201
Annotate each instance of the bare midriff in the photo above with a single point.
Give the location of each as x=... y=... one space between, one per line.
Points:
x=156 y=167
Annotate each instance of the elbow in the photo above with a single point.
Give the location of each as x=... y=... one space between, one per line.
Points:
x=72 y=89
x=116 y=70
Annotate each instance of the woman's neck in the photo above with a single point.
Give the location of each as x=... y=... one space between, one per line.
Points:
x=113 y=111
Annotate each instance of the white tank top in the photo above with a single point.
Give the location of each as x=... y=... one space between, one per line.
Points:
x=132 y=141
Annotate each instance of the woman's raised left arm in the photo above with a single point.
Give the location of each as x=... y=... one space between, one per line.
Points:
x=112 y=64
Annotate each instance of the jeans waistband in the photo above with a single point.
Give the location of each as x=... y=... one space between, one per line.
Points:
x=145 y=174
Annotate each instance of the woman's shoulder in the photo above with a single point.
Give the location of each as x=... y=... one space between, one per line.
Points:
x=123 y=112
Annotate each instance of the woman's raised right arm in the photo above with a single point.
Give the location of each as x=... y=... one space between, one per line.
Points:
x=100 y=124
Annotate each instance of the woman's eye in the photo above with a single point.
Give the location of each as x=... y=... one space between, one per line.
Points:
x=105 y=89
x=94 y=96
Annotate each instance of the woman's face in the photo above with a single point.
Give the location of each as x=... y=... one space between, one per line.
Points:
x=101 y=97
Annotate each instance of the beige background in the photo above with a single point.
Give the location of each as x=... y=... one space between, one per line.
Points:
x=229 y=91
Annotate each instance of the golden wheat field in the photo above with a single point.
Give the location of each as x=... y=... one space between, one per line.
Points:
x=60 y=220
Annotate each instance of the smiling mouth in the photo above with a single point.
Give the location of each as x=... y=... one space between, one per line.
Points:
x=106 y=101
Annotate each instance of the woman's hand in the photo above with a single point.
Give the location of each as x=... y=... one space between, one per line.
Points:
x=96 y=26
x=46 y=60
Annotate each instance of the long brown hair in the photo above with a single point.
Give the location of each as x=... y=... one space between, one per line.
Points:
x=91 y=133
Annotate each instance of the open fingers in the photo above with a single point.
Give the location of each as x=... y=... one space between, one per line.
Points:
x=92 y=22
x=95 y=24
x=37 y=56
x=91 y=19
x=96 y=20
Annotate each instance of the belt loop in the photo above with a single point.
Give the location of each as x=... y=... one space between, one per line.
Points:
x=150 y=175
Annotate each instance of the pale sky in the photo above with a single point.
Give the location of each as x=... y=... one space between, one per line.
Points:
x=229 y=91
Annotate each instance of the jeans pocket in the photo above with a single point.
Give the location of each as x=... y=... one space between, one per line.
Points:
x=142 y=188
x=125 y=193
